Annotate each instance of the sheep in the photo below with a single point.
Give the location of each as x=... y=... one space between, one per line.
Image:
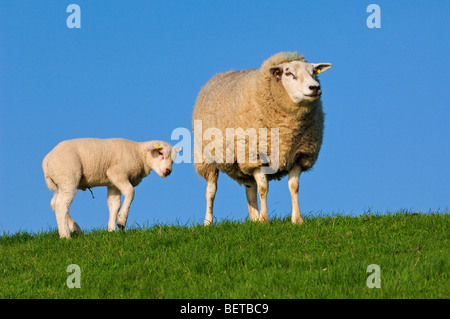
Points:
x=117 y=163
x=283 y=94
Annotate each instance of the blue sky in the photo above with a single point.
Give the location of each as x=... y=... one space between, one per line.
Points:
x=134 y=70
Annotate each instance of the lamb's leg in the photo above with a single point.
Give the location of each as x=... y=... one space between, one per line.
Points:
x=128 y=192
x=113 y=205
x=294 y=175
x=121 y=182
x=63 y=201
x=73 y=226
x=211 y=189
x=53 y=201
x=263 y=189
x=252 y=201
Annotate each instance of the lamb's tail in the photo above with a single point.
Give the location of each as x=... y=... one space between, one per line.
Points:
x=50 y=184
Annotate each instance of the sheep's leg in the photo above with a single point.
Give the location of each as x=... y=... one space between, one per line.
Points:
x=113 y=205
x=252 y=201
x=62 y=204
x=294 y=175
x=211 y=189
x=263 y=189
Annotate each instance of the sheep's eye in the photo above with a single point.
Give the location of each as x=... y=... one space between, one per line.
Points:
x=290 y=74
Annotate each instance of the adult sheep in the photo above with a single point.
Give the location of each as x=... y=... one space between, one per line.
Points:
x=117 y=163
x=282 y=96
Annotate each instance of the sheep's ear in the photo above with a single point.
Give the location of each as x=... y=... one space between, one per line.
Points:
x=276 y=70
x=178 y=150
x=320 y=67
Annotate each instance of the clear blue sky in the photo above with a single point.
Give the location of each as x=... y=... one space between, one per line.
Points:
x=134 y=70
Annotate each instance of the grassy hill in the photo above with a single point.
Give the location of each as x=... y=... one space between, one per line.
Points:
x=326 y=257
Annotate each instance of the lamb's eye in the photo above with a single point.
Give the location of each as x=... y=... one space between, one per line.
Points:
x=289 y=73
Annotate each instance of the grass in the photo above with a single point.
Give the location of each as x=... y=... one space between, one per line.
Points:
x=326 y=257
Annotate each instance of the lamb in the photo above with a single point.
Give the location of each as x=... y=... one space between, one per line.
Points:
x=117 y=163
x=283 y=94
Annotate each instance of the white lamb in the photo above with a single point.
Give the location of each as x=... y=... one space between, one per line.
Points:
x=117 y=163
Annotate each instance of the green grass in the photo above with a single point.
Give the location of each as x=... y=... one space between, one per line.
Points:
x=326 y=257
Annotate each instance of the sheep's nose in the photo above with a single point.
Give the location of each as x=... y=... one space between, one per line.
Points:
x=168 y=171
x=315 y=88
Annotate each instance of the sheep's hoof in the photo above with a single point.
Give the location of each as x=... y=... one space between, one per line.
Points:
x=263 y=220
x=297 y=221
x=121 y=227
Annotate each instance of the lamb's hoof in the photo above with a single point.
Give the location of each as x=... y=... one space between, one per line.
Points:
x=297 y=221
x=75 y=229
x=121 y=227
x=64 y=236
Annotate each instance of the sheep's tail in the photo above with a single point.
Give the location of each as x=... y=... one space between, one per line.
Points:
x=50 y=184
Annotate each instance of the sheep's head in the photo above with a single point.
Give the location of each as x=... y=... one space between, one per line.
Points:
x=299 y=79
x=160 y=156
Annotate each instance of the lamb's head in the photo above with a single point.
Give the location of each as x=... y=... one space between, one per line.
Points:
x=299 y=79
x=160 y=156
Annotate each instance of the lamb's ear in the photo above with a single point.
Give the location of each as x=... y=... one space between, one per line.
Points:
x=320 y=67
x=178 y=150
x=153 y=147
x=276 y=70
